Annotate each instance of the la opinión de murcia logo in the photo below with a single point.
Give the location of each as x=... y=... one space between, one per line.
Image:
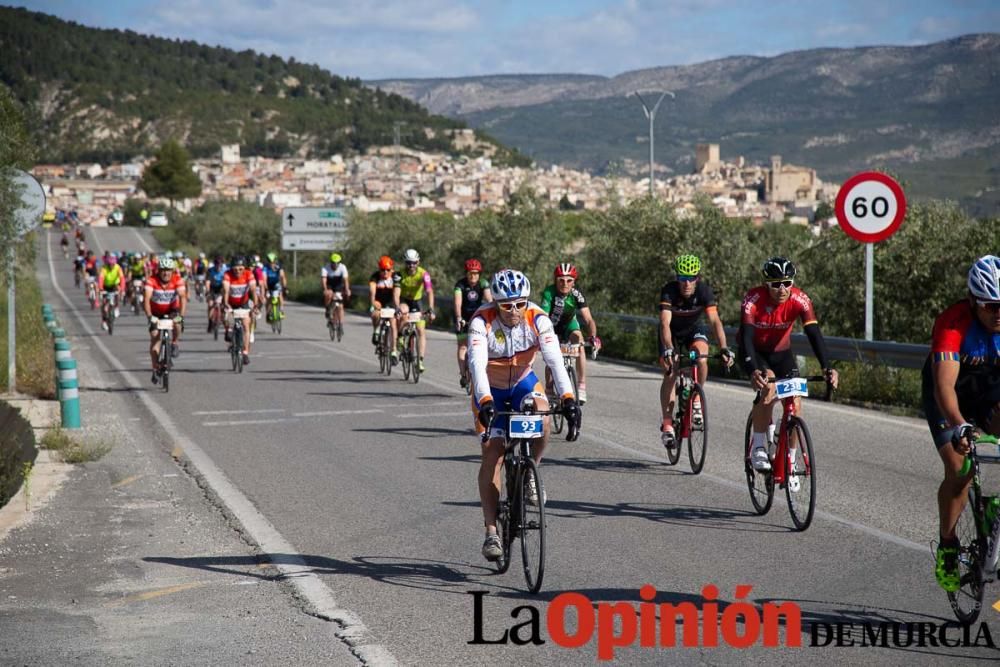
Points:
x=572 y=621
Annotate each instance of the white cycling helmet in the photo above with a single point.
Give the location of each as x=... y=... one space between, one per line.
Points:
x=984 y=278
x=509 y=284
x=411 y=256
x=168 y=263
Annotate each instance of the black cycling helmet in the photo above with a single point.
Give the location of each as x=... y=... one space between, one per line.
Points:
x=778 y=268
x=238 y=260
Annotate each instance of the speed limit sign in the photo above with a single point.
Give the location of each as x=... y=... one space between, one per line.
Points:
x=870 y=207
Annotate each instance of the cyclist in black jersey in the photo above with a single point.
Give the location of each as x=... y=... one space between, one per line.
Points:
x=471 y=292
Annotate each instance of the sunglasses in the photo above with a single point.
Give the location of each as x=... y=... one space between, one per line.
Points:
x=687 y=279
x=510 y=306
x=992 y=306
x=777 y=284
x=565 y=279
x=412 y=263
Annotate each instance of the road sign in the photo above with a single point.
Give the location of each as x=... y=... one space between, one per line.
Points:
x=32 y=196
x=311 y=241
x=312 y=219
x=870 y=207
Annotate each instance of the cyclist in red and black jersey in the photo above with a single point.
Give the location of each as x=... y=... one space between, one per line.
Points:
x=381 y=287
x=961 y=396
x=765 y=344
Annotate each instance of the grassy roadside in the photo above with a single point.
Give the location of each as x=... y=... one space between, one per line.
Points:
x=35 y=356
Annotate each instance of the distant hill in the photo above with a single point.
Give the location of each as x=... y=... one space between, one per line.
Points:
x=928 y=113
x=109 y=94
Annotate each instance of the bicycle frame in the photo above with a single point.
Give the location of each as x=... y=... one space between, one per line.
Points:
x=782 y=445
x=687 y=374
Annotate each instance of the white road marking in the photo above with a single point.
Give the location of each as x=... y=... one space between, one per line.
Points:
x=237 y=412
x=431 y=415
x=296 y=571
x=326 y=413
x=247 y=422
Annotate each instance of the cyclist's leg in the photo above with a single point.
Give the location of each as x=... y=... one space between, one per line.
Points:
x=422 y=337
x=462 y=340
x=576 y=336
x=489 y=481
x=154 y=346
x=531 y=386
x=699 y=343
x=247 y=323
x=667 y=398
x=399 y=321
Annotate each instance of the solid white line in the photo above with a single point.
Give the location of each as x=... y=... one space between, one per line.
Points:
x=421 y=415
x=327 y=413
x=142 y=240
x=294 y=568
x=245 y=422
x=234 y=412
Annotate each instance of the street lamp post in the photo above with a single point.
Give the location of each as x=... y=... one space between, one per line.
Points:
x=651 y=115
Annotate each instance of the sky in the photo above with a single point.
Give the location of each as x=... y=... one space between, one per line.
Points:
x=387 y=39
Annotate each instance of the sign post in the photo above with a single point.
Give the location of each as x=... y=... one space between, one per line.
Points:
x=312 y=228
x=26 y=218
x=870 y=208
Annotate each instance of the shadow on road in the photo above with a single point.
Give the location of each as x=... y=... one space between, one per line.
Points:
x=417 y=431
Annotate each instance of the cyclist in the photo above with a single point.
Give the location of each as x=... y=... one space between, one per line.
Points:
x=136 y=277
x=78 y=267
x=110 y=282
x=257 y=268
x=165 y=296
x=563 y=301
x=381 y=294
x=275 y=281
x=90 y=268
x=200 y=271
x=682 y=303
x=64 y=244
x=239 y=290
x=336 y=284
x=503 y=339
x=471 y=292
x=765 y=346
x=961 y=396
x=407 y=294
x=216 y=274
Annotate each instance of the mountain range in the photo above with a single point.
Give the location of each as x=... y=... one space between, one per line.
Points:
x=927 y=113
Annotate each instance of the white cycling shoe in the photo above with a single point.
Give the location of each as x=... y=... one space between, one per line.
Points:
x=759 y=459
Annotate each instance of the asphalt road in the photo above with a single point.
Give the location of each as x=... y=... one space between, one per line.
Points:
x=370 y=482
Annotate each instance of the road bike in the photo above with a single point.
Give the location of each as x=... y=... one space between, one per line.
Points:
x=109 y=310
x=92 y=292
x=215 y=315
x=793 y=436
x=570 y=351
x=410 y=343
x=165 y=326
x=521 y=514
x=335 y=317
x=236 y=346
x=690 y=424
x=274 y=310
x=199 y=288
x=135 y=296
x=383 y=347
x=978 y=532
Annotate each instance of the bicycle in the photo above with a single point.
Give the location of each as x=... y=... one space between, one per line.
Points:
x=517 y=516
x=165 y=325
x=410 y=340
x=109 y=306
x=384 y=347
x=801 y=503
x=688 y=389
x=335 y=317
x=274 y=310
x=92 y=292
x=199 y=287
x=77 y=276
x=570 y=351
x=136 y=296
x=236 y=347
x=978 y=532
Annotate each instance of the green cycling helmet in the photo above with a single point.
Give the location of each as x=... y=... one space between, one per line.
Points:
x=335 y=258
x=688 y=265
x=272 y=257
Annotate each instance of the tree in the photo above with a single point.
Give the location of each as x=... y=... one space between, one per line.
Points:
x=170 y=174
x=16 y=152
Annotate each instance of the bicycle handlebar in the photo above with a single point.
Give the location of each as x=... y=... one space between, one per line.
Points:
x=808 y=378
x=983 y=439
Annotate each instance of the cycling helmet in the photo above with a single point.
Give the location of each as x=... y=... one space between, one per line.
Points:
x=201 y=255
x=272 y=257
x=335 y=258
x=219 y=259
x=112 y=260
x=778 y=268
x=984 y=278
x=473 y=265
x=169 y=255
x=238 y=260
x=411 y=256
x=256 y=259
x=565 y=269
x=509 y=284
x=385 y=262
x=687 y=265
x=179 y=254
x=167 y=264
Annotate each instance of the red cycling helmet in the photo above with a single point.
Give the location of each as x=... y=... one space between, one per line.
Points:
x=566 y=269
x=385 y=262
x=473 y=265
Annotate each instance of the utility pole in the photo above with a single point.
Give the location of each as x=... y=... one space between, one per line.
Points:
x=651 y=115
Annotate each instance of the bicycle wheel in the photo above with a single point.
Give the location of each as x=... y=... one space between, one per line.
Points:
x=331 y=327
x=340 y=331
x=505 y=527
x=967 y=601
x=214 y=323
x=111 y=321
x=801 y=503
x=277 y=326
x=387 y=348
x=760 y=483
x=412 y=346
x=532 y=521
x=674 y=454
x=237 y=349
x=404 y=356
x=697 y=439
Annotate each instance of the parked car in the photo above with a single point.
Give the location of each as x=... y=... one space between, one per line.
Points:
x=157 y=219
x=116 y=217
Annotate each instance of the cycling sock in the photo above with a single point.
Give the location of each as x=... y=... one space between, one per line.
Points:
x=667 y=423
x=757 y=440
x=949 y=542
x=770 y=433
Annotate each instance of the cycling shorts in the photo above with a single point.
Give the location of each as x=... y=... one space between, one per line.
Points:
x=564 y=331
x=509 y=399
x=978 y=396
x=684 y=339
x=782 y=363
x=414 y=307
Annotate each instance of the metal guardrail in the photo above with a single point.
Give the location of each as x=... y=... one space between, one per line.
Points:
x=899 y=355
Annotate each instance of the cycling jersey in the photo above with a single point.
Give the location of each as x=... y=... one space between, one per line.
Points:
x=384 y=286
x=166 y=297
x=200 y=268
x=90 y=266
x=412 y=287
x=239 y=288
x=334 y=277
x=562 y=308
x=472 y=295
x=111 y=276
x=958 y=335
x=137 y=271
x=272 y=276
x=772 y=322
x=216 y=274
